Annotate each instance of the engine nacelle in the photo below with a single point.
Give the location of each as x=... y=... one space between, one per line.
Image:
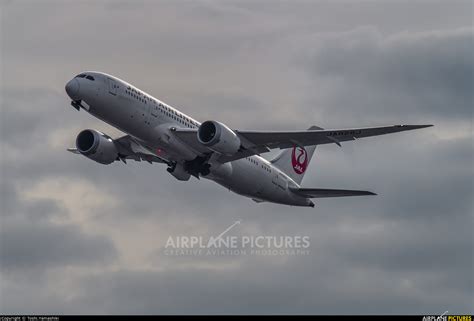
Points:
x=96 y=146
x=179 y=172
x=218 y=137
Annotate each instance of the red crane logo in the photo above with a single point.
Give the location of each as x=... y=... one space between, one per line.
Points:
x=299 y=159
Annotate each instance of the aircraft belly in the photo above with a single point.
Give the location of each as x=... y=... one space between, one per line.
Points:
x=247 y=179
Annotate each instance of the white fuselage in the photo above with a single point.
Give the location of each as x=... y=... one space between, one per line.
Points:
x=151 y=121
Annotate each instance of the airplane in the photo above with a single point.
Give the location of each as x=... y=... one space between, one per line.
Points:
x=159 y=133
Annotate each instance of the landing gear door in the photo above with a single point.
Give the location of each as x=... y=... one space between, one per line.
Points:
x=112 y=86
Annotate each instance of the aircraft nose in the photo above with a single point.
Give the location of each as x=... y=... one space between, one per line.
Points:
x=72 y=89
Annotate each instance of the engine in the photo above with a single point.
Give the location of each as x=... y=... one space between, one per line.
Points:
x=96 y=146
x=218 y=137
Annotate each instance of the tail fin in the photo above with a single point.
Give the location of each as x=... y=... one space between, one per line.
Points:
x=294 y=161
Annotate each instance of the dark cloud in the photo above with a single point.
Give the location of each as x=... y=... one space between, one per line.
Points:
x=424 y=76
x=31 y=240
x=261 y=286
x=40 y=245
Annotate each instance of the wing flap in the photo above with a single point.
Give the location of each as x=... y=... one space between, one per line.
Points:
x=130 y=148
x=324 y=192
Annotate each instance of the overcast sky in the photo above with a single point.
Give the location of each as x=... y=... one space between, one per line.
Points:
x=80 y=237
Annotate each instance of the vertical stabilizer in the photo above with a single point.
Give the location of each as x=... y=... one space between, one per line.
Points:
x=294 y=161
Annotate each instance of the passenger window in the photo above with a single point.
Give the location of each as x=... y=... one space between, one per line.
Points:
x=90 y=77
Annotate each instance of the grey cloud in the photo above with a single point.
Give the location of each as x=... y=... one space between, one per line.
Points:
x=261 y=286
x=30 y=240
x=422 y=75
x=178 y=202
x=41 y=245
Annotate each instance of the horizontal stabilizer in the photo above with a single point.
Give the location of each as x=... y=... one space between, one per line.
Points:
x=324 y=192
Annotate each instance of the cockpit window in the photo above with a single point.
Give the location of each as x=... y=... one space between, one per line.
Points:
x=85 y=76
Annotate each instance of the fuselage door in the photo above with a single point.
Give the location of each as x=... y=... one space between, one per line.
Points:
x=112 y=84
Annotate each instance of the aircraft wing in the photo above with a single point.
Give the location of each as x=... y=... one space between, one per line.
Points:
x=131 y=148
x=323 y=192
x=256 y=142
